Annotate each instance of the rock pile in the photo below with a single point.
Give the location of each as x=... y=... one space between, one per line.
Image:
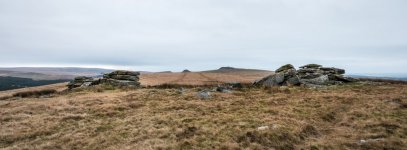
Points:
x=284 y=76
x=308 y=75
x=81 y=81
x=122 y=78
x=117 y=78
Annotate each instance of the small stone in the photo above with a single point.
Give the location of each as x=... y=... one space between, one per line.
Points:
x=181 y=91
x=262 y=128
x=204 y=95
x=223 y=90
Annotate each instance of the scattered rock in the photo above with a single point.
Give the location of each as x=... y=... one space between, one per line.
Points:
x=204 y=95
x=223 y=89
x=235 y=85
x=362 y=142
x=181 y=91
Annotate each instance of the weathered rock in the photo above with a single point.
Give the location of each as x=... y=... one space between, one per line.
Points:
x=293 y=81
x=341 y=78
x=81 y=81
x=125 y=77
x=322 y=80
x=204 y=95
x=316 y=66
x=235 y=85
x=83 y=78
x=121 y=83
x=285 y=68
x=332 y=70
x=284 y=77
x=223 y=89
x=122 y=78
x=124 y=72
x=312 y=75
x=181 y=91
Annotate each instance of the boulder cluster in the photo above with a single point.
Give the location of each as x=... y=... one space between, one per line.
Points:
x=81 y=81
x=117 y=78
x=122 y=78
x=308 y=75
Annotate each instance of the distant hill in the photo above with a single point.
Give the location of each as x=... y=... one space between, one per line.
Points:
x=385 y=78
x=232 y=69
x=46 y=73
x=9 y=83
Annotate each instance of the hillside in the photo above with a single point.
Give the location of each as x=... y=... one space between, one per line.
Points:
x=45 y=73
x=9 y=83
x=204 y=77
x=371 y=115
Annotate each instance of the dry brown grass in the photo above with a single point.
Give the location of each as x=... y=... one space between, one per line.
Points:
x=36 y=93
x=104 y=118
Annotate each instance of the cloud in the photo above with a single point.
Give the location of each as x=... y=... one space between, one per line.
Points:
x=176 y=34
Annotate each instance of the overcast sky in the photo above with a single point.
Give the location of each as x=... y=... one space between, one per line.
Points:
x=361 y=36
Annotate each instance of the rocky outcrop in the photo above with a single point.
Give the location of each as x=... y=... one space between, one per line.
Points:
x=122 y=78
x=308 y=75
x=117 y=78
x=284 y=76
x=81 y=81
x=186 y=71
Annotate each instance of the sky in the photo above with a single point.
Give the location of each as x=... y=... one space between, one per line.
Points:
x=361 y=36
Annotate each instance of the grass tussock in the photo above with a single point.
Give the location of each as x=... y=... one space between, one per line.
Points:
x=355 y=116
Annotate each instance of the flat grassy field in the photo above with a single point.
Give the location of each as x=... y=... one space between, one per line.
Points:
x=202 y=78
x=363 y=115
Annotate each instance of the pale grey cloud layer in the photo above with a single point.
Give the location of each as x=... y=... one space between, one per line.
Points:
x=363 y=36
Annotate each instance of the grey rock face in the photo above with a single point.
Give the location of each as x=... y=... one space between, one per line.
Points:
x=322 y=80
x=121 y=83
x=311 y=74
x=293 y=81
x=332 y=70
x=285 y=68
x=283 y=78
x=122 y=78
x=81 y=81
